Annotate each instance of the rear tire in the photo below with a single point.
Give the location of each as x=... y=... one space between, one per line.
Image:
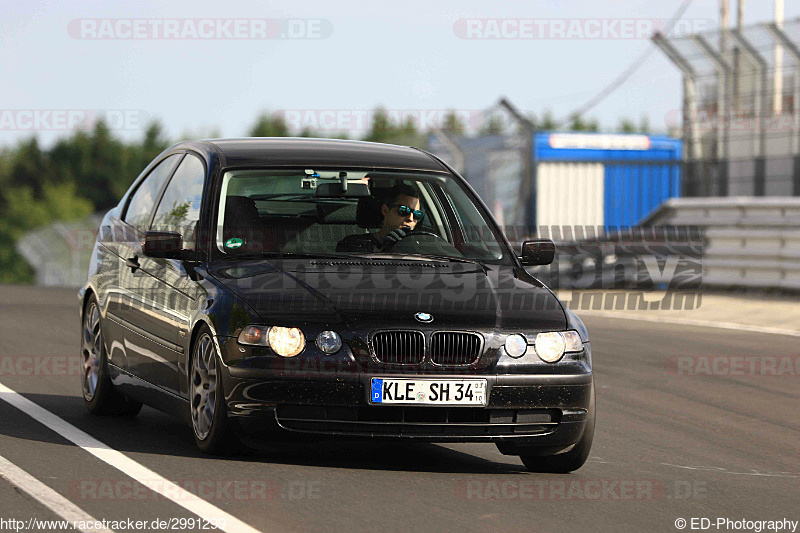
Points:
x=210 y=424
x=100 y=396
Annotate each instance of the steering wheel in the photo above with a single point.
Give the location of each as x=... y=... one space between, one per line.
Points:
x=410 y=234
x=415 y=233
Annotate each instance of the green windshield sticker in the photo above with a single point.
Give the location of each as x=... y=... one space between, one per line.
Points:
x=233 y=243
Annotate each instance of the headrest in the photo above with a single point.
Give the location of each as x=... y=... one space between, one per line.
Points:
x=336 y=213
x=240 y=210
x=368 y=213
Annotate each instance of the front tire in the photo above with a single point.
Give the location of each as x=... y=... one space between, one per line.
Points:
x=99 y=394
x=563 y=463
x=212 y=431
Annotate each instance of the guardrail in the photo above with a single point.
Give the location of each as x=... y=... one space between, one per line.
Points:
x=638 y=258
x=748 y=242
x=60 y=253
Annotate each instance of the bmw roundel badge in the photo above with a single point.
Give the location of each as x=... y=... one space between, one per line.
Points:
x=424 y=317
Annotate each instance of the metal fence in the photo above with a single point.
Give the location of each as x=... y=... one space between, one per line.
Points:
x=741 y=109
x=494 y=165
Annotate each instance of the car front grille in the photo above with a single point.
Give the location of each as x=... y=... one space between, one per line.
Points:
x=447 y=348
x=455 y=347
x=421 y=422
x=399 y=347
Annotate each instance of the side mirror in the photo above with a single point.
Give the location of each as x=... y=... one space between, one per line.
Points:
x=538 y=252
x=162 y=244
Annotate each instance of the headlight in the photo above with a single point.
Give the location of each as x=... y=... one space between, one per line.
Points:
x=254 y=335
x=286 y=342
x=551 y=346
x=516 y=345
x=329 y=342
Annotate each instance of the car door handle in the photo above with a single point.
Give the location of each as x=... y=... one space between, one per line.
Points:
x=132 y=262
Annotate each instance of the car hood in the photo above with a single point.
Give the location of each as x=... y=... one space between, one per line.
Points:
x=371 y=294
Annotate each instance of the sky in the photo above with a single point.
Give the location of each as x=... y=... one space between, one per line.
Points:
x=328 y=63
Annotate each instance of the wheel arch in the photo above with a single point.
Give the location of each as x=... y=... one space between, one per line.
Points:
x=87 y=295
x=202 y=320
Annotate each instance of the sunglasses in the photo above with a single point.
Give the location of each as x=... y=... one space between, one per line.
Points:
x=404 y=211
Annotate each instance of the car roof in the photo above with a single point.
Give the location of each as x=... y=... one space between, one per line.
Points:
x=313 y=152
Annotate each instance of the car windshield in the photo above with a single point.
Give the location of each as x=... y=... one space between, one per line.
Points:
x=307 y=213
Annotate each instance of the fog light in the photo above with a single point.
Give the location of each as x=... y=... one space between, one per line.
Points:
x=516 y=345
x=550 y=346
x=329 y=342
x=286 y=342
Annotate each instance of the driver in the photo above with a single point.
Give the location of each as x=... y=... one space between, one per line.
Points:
x=401 y=214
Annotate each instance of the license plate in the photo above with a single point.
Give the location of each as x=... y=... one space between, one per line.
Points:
x=428 y=391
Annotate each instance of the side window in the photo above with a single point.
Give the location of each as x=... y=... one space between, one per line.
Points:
x=143 y=200
x=179 y=209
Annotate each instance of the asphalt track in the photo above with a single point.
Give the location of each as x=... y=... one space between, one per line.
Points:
x=669 y=444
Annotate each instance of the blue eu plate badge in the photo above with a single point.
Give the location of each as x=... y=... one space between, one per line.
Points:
x=377 y=388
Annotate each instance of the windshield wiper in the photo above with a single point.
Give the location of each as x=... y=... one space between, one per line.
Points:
x=292 y=255
x=433 y=257
x=450 y=258
x=377 y=256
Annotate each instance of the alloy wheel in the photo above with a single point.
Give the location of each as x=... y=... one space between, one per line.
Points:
x=92 y=351
x=204 y=386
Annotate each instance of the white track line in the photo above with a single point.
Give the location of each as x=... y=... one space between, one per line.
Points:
x=125 y=464
x=699 y=323
x=46 y=496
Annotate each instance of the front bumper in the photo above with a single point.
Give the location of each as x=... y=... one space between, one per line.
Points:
x=543 y=410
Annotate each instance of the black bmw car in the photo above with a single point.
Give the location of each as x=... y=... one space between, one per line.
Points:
x=261 y=288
